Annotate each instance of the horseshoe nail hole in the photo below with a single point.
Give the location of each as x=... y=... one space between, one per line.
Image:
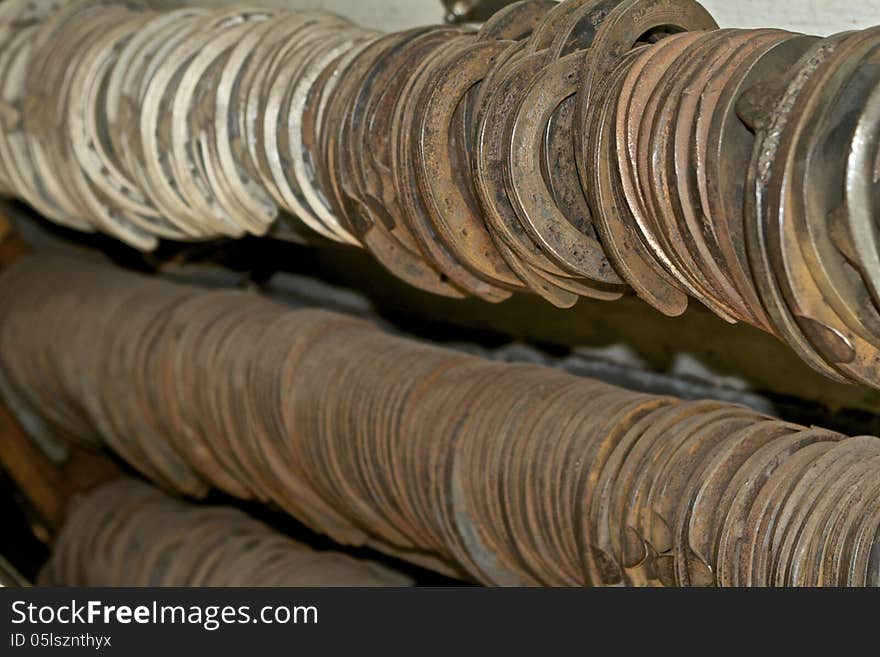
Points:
x=658 y=33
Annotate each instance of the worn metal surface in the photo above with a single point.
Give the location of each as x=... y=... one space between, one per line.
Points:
x=128 y=533
x=516 y=473
x=581 y=149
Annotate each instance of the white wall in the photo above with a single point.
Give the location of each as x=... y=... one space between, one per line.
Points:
x=812 y=16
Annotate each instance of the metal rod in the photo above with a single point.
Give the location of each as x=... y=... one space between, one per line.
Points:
x=517 y=474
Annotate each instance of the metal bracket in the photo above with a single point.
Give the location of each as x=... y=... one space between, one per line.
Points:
x=472 y=11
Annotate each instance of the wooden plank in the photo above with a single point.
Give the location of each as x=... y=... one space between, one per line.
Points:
x=12 y=246
x=46 y=485
x=5 y=227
